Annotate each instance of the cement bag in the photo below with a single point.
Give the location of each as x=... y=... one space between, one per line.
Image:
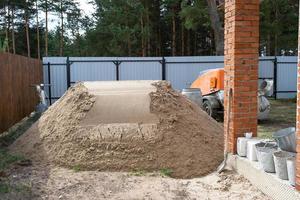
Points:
x=280 y=160
x=251 y=150
x=264 y=108
x=242 y=146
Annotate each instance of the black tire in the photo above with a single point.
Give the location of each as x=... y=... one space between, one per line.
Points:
x=207 y=107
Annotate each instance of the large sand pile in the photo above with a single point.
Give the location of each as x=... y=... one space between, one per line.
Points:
x=125 y=126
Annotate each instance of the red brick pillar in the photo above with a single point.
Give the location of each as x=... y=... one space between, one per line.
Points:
x=241 y=67
x=298 y=119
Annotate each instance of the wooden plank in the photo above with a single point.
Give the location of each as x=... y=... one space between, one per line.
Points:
x=17 y=98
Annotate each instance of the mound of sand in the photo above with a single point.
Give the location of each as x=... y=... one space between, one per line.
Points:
x=125 y=126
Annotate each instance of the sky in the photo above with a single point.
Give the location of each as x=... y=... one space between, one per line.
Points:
x=86 y=7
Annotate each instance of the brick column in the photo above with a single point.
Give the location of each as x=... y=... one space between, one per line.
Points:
x=241 y=67
x=298 y=118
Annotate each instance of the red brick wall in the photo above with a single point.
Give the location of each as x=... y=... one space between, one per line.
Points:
x=298 y=119
x=241 y=66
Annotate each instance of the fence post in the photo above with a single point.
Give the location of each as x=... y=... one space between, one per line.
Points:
x=68 y=72
x=163 y=65
x=49 y=83
x=117 y=63
x=275 y=77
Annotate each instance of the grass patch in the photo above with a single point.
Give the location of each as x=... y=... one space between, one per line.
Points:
x=4 y=188
x=76 y=168
x=7 y=138
x=282 y=115
x=166 y=172
x=7 y=159
x=23 y=188
x=7 y=189
x=138 y=172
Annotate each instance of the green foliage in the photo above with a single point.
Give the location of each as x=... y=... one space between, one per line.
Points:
x=138 y=27
x=166 y=172
x=138 y=172
x=6 y=159
x=77 y=168
x=20 y=189
x=117 y=26
x=3 y=45
x=195 y=16
x=16 y=131
x=282 y=115
x=4 y=188
x=279 y=26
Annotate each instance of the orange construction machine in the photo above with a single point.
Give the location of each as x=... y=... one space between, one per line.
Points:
x=211 y=84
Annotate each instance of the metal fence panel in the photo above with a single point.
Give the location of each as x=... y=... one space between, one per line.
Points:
x=58 y=75
x=140 y=68
x=266 y=67
x=88 y=69
x=287 y=77
x=181 y=71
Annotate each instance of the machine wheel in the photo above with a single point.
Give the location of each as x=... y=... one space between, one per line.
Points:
x=207 y=107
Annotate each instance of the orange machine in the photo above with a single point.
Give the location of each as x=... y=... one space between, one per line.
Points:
x=210 y=81
x=211 y=84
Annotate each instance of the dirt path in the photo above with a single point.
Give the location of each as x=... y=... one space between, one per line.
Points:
x=59 y=183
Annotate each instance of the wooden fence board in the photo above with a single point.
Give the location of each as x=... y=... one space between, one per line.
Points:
x=17 y=98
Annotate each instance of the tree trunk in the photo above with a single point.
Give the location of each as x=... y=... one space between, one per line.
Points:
x=182 y=39
x=276 y=45
x=78 y=44
x=157 y=27
x=46 y=31
x=159 y=39
x=143 y=38
x=216 y=26
x=6 y=30
x=148 y=34
x=174 y=32
x=195 y=43
x=129 y=46
x=38 y=32
x=8 y=27
x=276 y=34
x=129 y=35
x=13 y=30
x=61 y=51
x=268 y=49
x=27 y=32
x=188 y=43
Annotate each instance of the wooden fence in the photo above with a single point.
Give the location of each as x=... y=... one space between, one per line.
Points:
x=17 y=96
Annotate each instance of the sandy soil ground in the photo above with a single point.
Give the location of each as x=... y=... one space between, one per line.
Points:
x=97 y=129
x=43 y=182
x=48 y=182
